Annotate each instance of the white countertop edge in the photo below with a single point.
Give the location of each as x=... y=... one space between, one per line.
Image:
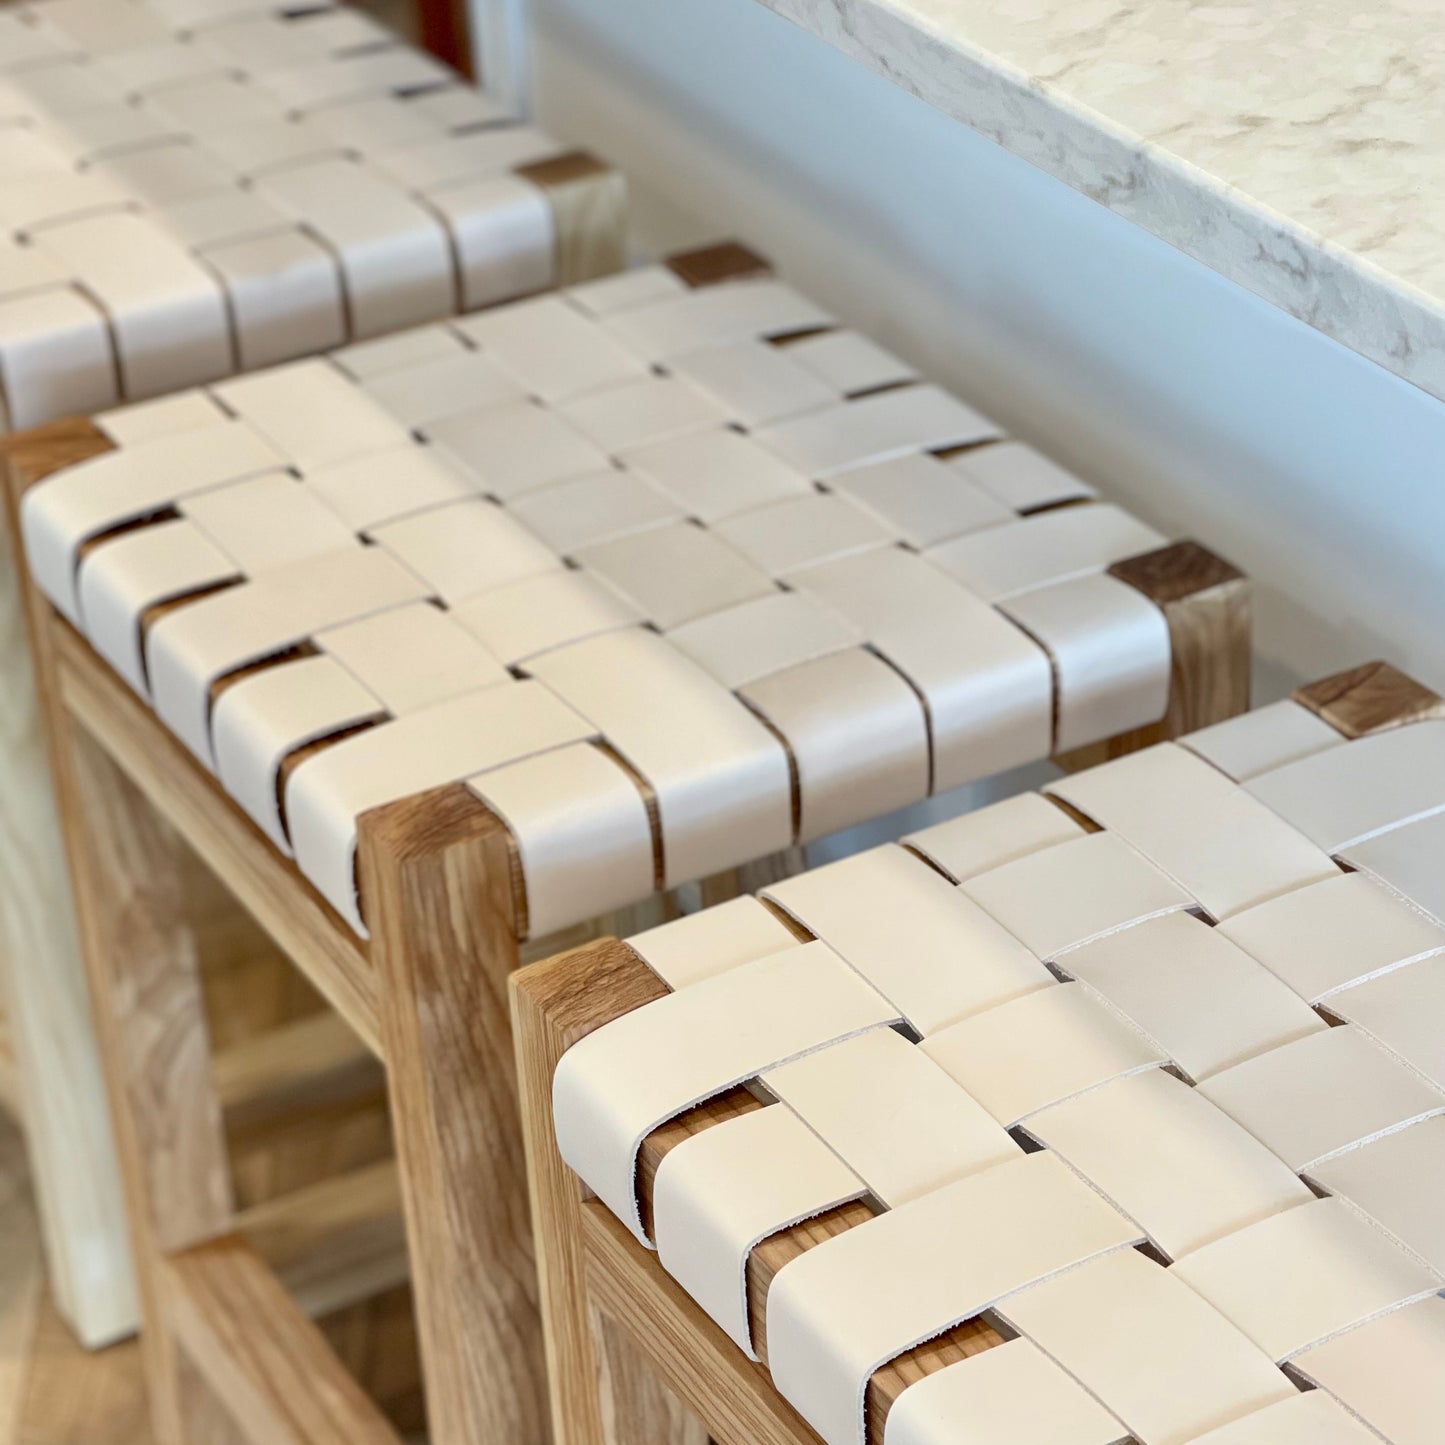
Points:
x=1338 y=293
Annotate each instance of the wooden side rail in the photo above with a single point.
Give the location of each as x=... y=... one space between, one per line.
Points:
x=264 y=882
x=309 y=1063
x=262 y=1358
x=335 y=1243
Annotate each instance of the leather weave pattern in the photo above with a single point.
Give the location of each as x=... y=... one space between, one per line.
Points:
x=1204 y=998
x=188 y=189
x=662 y=618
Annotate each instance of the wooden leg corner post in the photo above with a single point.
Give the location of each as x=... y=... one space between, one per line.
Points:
x=601 y=1389
x=42 y=982
x=436 y=877
x=1207 y=605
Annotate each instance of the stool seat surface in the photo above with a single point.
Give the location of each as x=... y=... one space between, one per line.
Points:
x=190 y=191
x=550 y=541
x=1146 y=1072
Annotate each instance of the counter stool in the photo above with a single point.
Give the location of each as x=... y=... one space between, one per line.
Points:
x=196 y=187
x=462 y=638
x=1114 y=1112
x=190 y=188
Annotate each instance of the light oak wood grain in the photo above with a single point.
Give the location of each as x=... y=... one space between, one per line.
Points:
x=139 y=945
x=303 y=1101
x=699 y=1362
x=589 y=214
x=22 y=1281
x=336 y=1243
x=1371 y=698
x=74 y=1397
x=441 y=889
x=435 y=874
x=53 y=1390
x=267 y=1363
x=267 y=884
x=1208 y=607
x=49 y=1034
x=554 y=1004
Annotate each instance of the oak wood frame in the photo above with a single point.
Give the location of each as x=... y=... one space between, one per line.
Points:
x=598 y=1283
x=427 y=996
x=47 y=1036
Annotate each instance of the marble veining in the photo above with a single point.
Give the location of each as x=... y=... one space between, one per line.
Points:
x=1295 y=146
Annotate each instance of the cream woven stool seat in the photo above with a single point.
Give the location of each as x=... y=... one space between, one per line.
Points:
x=1111 y=1112
x=660 y=626
x=451 y=640
x=190 y=189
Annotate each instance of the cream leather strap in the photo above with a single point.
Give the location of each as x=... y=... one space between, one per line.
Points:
x=700 y=1041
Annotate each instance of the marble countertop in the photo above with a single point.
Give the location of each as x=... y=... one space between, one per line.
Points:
x=1295 y=146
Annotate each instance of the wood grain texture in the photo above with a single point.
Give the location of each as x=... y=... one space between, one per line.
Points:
x=265 y=883
x=734 y=1396
x=376 y=1342
x=31 y=456
x=435 y=874
x=22 y=1280
x=638 y=1403
x=1207 y=605
x=49 y=1031
x=9 y=1070
x=268 y=1364
x=335 y=1243
x=135 y=936
x=53 y=1391
x=297 y=1066
x=588 y=200
x=150 y=986
x=721 y=261
x=554 y=1004
x=298 y=1119
x=1368 y=699
x=72 y=1397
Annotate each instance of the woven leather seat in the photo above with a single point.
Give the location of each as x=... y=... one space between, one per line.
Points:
x=191 y=188
x=663 y=619
x=1115 y=1111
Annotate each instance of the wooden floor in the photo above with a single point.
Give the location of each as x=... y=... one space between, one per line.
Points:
x=51 y=1391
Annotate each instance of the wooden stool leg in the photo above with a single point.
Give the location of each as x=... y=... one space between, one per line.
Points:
x=1206 y=603
x=436 y=880
x=601 y=1389
x=141 y=952
x=71 y=1150
x=436 y=875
